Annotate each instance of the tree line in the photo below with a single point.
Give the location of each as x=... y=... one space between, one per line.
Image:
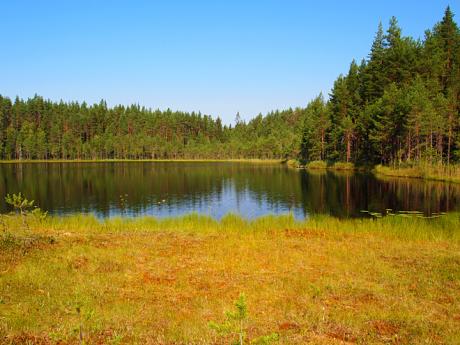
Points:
x=400 y=104
x=42 y=129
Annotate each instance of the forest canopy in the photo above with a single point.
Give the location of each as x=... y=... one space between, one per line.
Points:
x=400 y=104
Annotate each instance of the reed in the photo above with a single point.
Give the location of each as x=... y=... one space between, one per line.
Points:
x=439 y=172
x=402 y=226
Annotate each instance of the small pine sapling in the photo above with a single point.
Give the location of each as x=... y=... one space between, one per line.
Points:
x=234 y=324
x=21 y=205
x=24 y=207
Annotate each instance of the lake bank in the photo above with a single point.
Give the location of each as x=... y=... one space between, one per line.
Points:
x=169 y=189
x=440 y=173
x=242 y=160
x=145 y=280
x=428 y=172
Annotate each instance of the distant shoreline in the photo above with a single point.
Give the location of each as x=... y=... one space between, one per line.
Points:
x=421 y=173
x=20 y=161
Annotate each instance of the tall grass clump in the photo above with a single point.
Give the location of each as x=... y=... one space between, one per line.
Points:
x=294 y=163
x=316 y=165
x=343 y=166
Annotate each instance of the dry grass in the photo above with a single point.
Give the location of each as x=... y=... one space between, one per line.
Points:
x=146 y=281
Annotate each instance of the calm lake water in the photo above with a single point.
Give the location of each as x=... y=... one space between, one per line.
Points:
x=252 y=190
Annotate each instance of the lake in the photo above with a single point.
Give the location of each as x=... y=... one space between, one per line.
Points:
x=216 y=188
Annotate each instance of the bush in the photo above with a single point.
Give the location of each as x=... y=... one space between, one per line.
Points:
x=24 y=208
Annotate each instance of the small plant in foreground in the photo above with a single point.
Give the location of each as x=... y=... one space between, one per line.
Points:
x=83 y=318
x=24 y=207
x=123 y=203
x=19 y=202
x=234 y=324
x=3 y=223
x=116 y=339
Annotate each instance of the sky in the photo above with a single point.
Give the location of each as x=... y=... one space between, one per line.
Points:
x=217 y=57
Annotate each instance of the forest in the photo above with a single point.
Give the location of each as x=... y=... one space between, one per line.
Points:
x=400 y=104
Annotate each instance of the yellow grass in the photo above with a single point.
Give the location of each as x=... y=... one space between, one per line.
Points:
x=150 y=281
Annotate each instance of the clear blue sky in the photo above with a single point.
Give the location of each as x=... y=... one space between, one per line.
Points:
x=219 y=57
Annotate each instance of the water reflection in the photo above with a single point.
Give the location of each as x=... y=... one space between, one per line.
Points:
x=252 y=190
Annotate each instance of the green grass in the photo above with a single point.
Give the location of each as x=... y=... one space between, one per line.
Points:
x=426 y=171
x=294 y=163
x=320 y=165
x=160 y=281
x=316 y=165
x=343 y=166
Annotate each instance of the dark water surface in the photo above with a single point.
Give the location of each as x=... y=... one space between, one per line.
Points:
x=252 y=190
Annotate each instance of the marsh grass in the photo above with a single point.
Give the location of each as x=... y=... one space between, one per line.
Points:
x=161 y=281
x=427 y=171
x=343 y=166
x=323 y=165
x=316 y=165
x=294 y=163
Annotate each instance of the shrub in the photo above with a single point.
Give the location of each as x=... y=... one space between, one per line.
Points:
x=25 y=207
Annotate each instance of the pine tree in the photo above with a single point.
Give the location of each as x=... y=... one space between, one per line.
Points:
x=373 y=73
x=315 y=127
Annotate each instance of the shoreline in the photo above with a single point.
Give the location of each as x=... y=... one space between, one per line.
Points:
x=428 y=173
x=185 y=160
x=417 y=172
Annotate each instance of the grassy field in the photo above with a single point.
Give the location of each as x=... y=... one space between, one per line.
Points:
x=149 y=281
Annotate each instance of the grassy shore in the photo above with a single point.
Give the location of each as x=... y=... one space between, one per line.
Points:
x=424 y=171
x=321 y=165
x=149 y=281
